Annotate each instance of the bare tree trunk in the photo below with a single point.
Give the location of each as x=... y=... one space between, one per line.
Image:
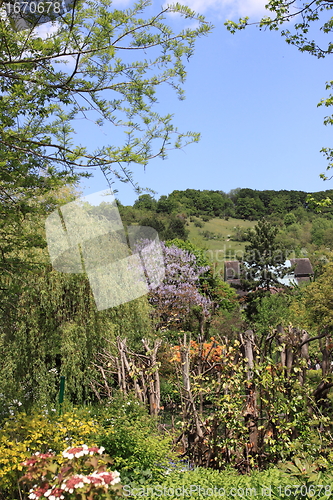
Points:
x=153 y=377
x=193 y=437
x=251 y=411
x=325 y=363
x=144 y=389
x=119 y=373
x=287 y=354
x=200 y=361
x=282 y=340
x=134 y=371
x=304 y=355
x=289 y=359
x=120 y=347
x=185 y=356
x=123 y=353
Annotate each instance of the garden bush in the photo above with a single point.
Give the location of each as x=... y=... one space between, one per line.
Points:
x=131 y=438
x=129 y=435
x=201 y=484
x=22 y=435
x=83 y=474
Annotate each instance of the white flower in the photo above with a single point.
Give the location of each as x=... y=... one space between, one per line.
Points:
x=74 y=482
x=116 y=476
x=77 y=452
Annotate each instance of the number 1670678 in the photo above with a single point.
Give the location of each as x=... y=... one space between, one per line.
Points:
x=35 y=8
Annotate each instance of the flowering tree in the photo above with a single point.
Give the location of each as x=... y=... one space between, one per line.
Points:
x=178 y=296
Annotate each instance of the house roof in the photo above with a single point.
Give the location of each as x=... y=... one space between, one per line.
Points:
x=302 y=272
x=231 y=270
x=303 y=267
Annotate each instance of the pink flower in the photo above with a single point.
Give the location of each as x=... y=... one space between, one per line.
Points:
x=46 y=455
x=104 y=478
x=30 y=462
x=77 y=481
x=77 y=452
x=95 y=449
x=111 y=477
x=54 y=493
x=95 y=479
x=39 y=492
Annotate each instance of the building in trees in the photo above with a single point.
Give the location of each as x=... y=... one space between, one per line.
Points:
x=300 y=270
x=303 y=270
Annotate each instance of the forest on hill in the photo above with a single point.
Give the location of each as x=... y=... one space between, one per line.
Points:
x=240 y=203
x=305 y=220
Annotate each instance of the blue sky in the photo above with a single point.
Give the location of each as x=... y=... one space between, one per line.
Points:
x=254 y=100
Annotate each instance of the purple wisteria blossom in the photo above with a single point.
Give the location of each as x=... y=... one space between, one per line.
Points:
x=174 y=299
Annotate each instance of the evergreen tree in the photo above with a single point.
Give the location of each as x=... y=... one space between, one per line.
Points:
x=264 y=258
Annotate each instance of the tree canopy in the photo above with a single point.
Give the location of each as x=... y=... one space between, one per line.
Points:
x=100 y=64
x=245 y=203
x=96 y=63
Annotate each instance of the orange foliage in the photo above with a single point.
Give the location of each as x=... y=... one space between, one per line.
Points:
x=211 y=352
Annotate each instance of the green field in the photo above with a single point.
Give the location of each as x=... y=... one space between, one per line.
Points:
x=219 y=245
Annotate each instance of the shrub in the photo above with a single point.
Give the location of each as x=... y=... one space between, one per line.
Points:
x=240 y=234
x=81 y=475
x=130 y=437
x=289 y=219
x=209 y=235
x=170 y=395
x=22 y=435
x=123 y=428
x=207 y=483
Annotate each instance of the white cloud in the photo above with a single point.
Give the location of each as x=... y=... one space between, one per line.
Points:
x=229 y=8
x=249 y=7
x=46 y=30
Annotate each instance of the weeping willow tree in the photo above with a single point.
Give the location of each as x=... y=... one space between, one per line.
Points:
x=55 y=329
x=49 y=323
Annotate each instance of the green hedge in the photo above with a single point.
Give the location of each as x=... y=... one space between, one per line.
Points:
x=227 y=485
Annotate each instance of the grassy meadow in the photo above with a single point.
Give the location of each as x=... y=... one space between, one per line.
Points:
x=216 y=236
